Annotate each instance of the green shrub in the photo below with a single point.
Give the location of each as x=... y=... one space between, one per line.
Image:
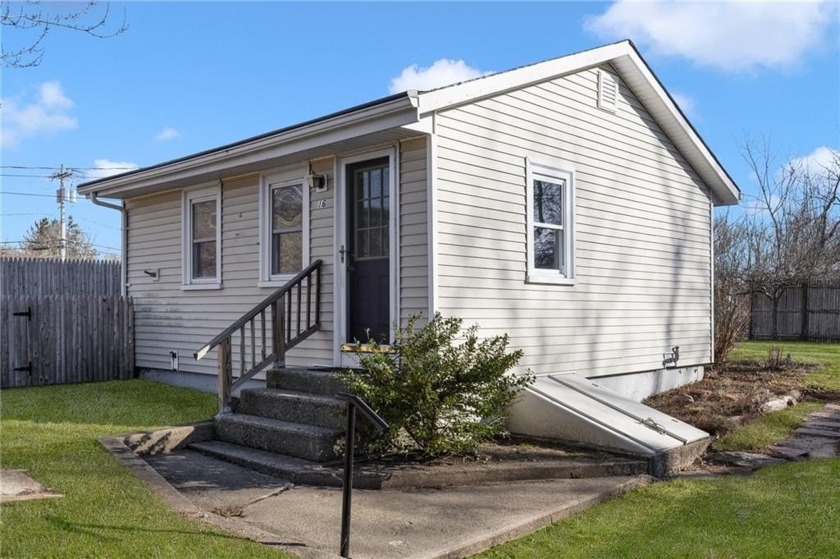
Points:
x=448 y=393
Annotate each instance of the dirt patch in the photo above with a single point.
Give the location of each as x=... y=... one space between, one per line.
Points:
x=732 y=394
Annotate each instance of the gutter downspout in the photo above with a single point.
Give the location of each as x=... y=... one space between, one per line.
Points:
x=123 y=234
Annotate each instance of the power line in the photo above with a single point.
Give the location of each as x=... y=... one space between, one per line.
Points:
x=26 y=194
x=71 y=167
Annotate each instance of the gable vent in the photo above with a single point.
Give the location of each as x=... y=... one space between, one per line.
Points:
x=607 y=91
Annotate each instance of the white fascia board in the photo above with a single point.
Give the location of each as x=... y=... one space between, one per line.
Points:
x=633 y=70
x=393 y=114
x=494 y=84
x=662 y=107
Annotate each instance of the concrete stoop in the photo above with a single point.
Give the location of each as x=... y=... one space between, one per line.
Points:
x=435 y=475
x=295 y=416
x=291 y=429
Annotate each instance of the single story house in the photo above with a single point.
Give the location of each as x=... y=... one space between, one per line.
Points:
x=567 y=203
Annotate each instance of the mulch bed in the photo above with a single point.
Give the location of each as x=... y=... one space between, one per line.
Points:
x=731 y=394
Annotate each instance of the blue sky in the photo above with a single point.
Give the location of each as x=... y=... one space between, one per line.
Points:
x=190 y=76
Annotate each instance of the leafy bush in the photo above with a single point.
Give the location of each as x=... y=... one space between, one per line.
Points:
x=449 y=396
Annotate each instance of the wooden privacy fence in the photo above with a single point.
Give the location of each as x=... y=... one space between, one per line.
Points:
x=810 y=312
x=50 y=276
x=65 y=339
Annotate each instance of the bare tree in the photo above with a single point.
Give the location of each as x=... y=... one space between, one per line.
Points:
x=732 y=293
x=792 y=228
x=33 y=22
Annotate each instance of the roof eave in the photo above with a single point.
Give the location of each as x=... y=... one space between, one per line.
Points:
x=629 y=63
x=398 y=110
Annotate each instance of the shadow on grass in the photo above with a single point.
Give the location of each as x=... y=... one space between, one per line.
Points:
x=92 y=530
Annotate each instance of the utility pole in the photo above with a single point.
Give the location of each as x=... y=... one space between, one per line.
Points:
x=61 y=197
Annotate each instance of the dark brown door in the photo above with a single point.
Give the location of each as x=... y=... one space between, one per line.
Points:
x=368 y=263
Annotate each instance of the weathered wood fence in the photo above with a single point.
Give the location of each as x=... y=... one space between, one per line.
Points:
x=50 y=276
x=810 y=312
x=63 y=322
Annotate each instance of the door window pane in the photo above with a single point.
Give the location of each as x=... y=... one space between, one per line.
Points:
x=372 y=214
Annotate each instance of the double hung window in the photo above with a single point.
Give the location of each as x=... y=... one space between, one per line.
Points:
x=284 y=226
x=550 y=220
x=201 y=249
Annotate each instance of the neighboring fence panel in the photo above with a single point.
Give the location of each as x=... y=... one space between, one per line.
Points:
x=805 y=313
x=49 y=276
x=65 y=339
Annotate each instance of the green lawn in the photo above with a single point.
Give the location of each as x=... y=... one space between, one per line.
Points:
x=785 y=511
x=106 y=512
x=826 y=355
x=778 y=426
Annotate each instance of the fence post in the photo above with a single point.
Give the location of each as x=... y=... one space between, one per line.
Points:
x=803 y=329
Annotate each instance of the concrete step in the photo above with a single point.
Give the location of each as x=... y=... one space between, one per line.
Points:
x=297 y=407
x=315 y=381
x=445 y=473
x=296 y=470
x=309 y=442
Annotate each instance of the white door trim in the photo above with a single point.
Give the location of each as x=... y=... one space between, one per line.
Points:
x=343 y=359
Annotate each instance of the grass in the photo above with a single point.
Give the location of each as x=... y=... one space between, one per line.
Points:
x=106 y=512
x=783 y=511
x=827 y=355
x=778 y=426
x=766 y=430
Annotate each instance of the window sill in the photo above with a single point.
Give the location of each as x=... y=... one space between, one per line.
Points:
x=200 y=286
x=277 y=282
x=550 y=280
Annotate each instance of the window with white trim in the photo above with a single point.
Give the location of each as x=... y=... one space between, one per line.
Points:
x=284 y=226
x=202 y=242
x=550 y=219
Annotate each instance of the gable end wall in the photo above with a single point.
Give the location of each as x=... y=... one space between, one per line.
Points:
x=642 y=237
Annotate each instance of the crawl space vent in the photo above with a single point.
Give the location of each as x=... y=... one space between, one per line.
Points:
x=607 y=91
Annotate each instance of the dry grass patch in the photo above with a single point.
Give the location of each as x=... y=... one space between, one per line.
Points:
x=732 y=394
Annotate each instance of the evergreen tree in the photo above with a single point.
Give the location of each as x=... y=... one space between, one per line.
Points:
x=43 y=239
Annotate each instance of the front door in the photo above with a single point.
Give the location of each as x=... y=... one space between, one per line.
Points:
x=368 y=251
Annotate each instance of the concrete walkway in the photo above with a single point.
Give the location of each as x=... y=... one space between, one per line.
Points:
x=399 y=523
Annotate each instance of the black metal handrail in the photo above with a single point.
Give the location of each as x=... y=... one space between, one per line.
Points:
x=353 y=403
x=283 y=324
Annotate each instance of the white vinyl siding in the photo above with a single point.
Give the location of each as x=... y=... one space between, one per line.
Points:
x=642 y=231
x=169 y=319
x=414 y=242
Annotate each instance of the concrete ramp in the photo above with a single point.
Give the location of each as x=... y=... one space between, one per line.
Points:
x=575 y=409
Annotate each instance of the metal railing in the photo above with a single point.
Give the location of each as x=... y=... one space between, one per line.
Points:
x=353 y=403
x=288 y=307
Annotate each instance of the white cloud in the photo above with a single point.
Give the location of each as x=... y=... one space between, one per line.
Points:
x=442 y=72
x=168 y=133
x=106 y=168
x=817 y=161
x=729 y=35
x=685 y=103
x=45 y=115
